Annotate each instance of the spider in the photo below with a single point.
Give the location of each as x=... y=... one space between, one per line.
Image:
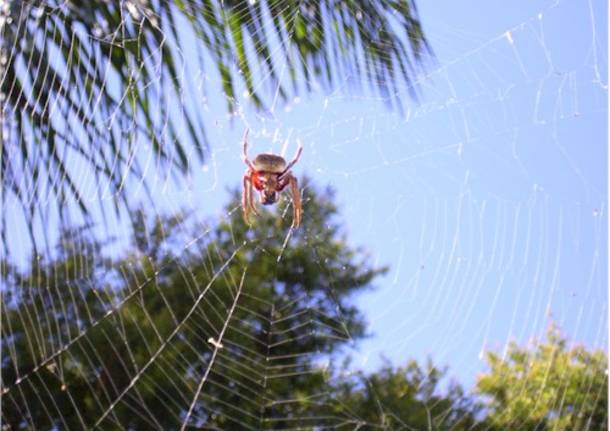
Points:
x=269 y=174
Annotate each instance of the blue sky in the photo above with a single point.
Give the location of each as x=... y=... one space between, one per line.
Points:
x=487 y=199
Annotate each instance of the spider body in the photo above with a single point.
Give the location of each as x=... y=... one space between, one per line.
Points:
x=269 y=163
x=269 y=174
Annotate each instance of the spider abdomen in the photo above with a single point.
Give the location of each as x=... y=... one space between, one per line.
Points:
x=269 y=163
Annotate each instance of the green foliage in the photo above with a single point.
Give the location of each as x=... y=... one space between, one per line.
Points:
x=94 y=341
x=406 y=398
x=241 y=326
x=84 y=84
x=549 y=386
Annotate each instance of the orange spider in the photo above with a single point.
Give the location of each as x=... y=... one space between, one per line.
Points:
x=269 y=174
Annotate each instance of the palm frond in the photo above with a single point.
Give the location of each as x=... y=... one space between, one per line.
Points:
x=86 y=84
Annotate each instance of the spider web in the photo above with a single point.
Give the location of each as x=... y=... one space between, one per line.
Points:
x=487 y=199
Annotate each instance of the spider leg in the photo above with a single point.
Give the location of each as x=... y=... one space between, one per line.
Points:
x=251 y=203
x=291 y=164
x=296 y=198
x=245 y=200
x=245 y=150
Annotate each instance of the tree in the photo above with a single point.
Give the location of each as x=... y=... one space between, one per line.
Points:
x=84 y=84
x=231 y=327
x=549 y=387
x=221 y=326
x=407 y=398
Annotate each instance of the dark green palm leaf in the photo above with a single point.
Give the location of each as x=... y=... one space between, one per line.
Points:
x=85 y=83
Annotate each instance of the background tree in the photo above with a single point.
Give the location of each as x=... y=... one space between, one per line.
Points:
x=226 y=323
x=410 y=397
x=231 y=327
x=548 y=386
x=84 y=84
